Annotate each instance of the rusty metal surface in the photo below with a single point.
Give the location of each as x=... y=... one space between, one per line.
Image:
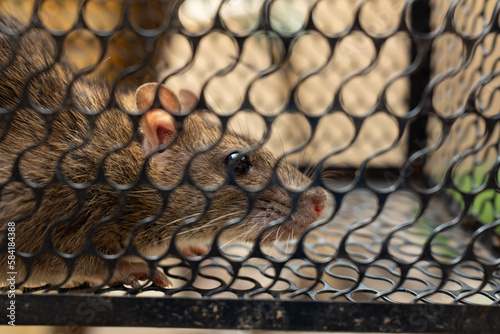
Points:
x=257 y=314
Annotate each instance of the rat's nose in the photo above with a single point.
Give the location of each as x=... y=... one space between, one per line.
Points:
x=314 y=198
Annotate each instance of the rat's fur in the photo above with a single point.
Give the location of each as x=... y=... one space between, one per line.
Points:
x=68 y=152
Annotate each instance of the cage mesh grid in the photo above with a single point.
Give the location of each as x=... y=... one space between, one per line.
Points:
x=326 y=82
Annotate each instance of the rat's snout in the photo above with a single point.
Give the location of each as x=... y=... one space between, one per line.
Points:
x=312 y=203
x=275 y=203
x=318 y=198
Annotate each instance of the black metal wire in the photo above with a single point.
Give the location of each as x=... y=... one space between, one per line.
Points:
x=399 y=235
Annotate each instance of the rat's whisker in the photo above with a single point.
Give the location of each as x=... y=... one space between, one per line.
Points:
x=129 y=193
x=177 y=220
x=207 y=224
x=183 y=218
x=222 y=246
x=143 y=191
x=173 y=222
x=211 y=222
x=277 y=238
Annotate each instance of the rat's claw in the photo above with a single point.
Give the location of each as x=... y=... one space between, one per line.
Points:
x=133 y=280
x=130 y=273
x=161 y=280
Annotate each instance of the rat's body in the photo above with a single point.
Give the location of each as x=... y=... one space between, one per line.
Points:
x=100 y=221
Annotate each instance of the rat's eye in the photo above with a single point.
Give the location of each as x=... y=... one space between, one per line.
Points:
x=237 y=164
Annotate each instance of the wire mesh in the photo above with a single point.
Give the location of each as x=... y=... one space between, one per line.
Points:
x=400 y=96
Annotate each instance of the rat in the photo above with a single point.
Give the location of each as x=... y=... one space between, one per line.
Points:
x=62 y=140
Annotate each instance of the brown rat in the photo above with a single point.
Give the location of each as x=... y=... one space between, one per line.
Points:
x=96 y=155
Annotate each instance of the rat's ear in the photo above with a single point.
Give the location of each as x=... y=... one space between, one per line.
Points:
x=158 y=125
x=145 y=97
x=188 y=99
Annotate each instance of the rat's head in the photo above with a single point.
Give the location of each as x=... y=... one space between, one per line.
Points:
x=221 y=164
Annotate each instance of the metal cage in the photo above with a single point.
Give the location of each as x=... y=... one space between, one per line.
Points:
x=391 y=106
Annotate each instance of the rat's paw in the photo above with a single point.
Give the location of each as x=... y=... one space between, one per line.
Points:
x=193 y=251
x=131 y=273
x=161 y=280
